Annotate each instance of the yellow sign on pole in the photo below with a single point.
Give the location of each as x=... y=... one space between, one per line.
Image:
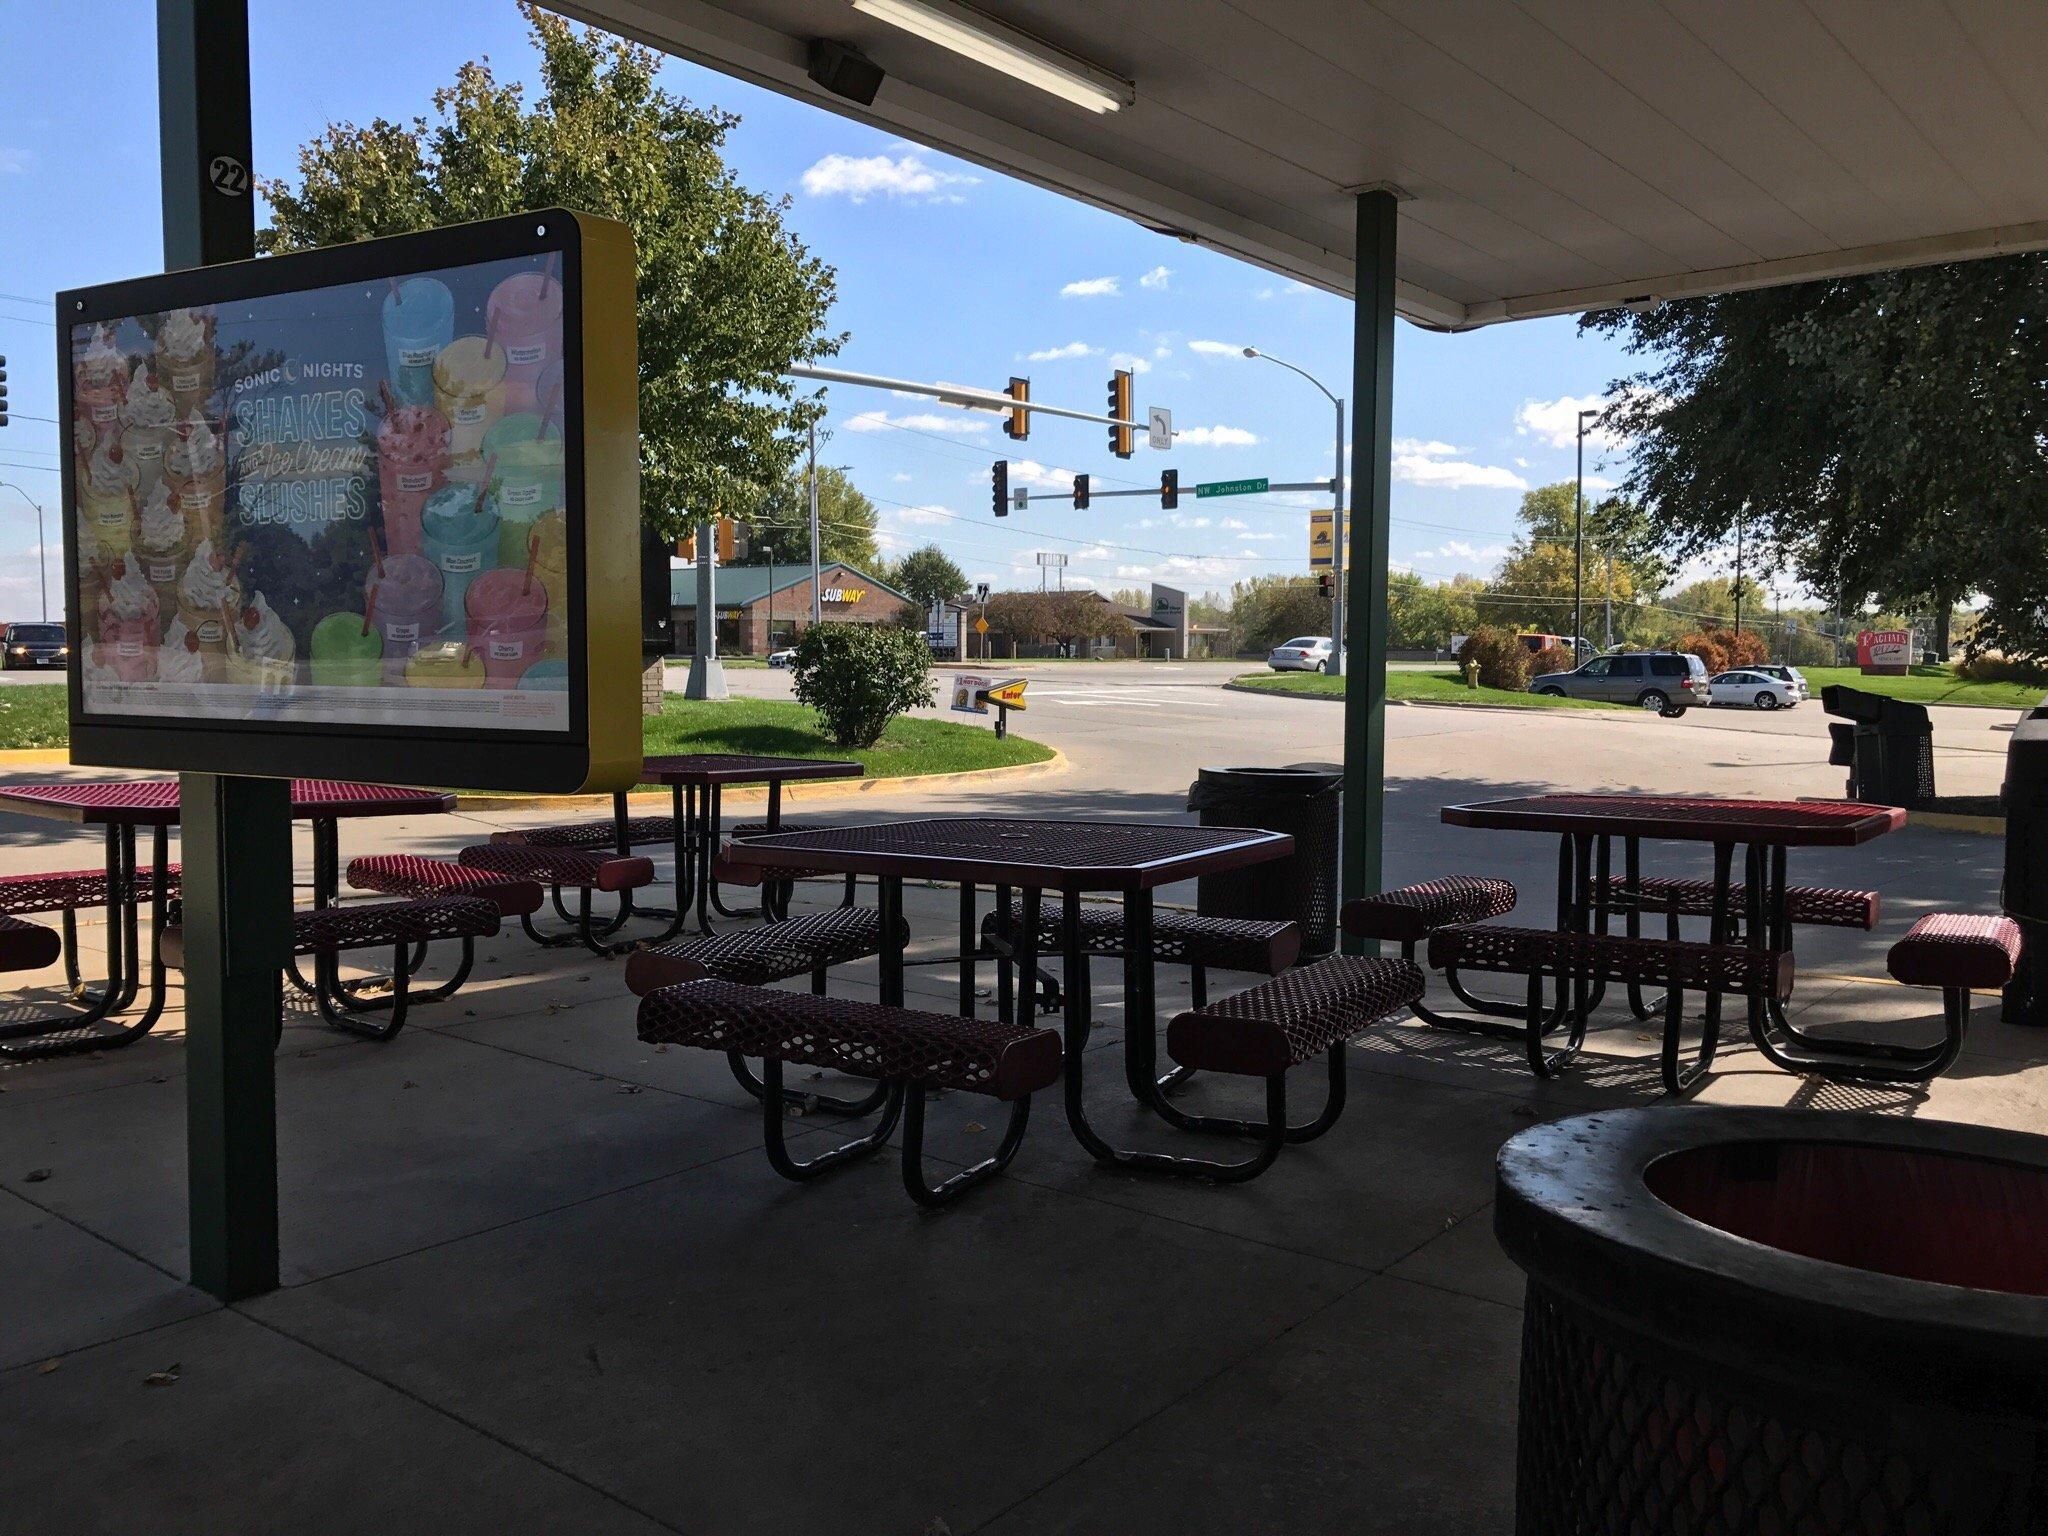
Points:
x=1010 y=695
x=1322 y=541
x=981 y=626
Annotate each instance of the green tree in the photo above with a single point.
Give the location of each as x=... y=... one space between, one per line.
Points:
x=1264 y=610
x=1876 y=436
x=727 y=296
x=779 y=522
x=927 y=575
x=1424 y=615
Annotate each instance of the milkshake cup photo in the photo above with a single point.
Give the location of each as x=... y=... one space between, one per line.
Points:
x=128 y=601
x=106 y=502
x=146 y=423
x=524 y=316
x=347 y=650
x=507 y=622
x=177 y=659
x=196 y=470
x=162 y=545
x=419 y=321
x=207 y=587
x=459 y=532
x=445 y=664
x=412 y=462
x=527 y=480
x=402 y=596
x=551 y=570
x=128 y=649
x=185 y=359
x=469 y=389
x=99 y=387
x=549 y=676
x=264 y=654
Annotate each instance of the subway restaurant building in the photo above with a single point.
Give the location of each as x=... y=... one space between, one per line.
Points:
x=764 y=608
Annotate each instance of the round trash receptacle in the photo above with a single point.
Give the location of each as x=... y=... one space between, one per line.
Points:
x=1306 y=804
x=1760 y=1321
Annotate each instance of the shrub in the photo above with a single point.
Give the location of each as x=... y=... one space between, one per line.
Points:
x=1748 y=649
x=859 y=677
x=1990 y=667
x=1552 y=658
x=1503 y=660
x=1710 y=645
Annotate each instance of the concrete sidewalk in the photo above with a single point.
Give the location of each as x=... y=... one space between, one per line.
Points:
x=538 y=1276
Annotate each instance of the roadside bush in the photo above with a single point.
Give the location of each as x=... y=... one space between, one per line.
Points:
x=1552 y=658
x=859 y=677
x=1503 y=660
x=1990 y=667
x=1710 y=645
x=1748 y=649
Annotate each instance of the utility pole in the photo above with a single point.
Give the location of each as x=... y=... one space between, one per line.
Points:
x=1738 y=575
x=1610 y=602
x=707 y=675
x=1337 y=560
x=817 y=599
x=42 y=552
x=1579 y=543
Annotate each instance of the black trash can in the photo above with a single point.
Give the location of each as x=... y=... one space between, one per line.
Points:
x=1888 y=748
x=2025 y=894
x=1306 y=804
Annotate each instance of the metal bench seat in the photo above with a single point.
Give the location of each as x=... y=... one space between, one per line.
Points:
x=1178 y=938
x=73 y=889
x=757 y=956
x=584 y=871
x=1410 y=914
x=1582 y=958
x=595 y=835
x=27 y=946
x=406 y=925
x=412 y=874
x=1812 y=905
x=1957 y=950
x=907 y=1050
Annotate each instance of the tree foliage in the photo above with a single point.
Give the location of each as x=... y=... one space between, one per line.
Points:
x=1533 y=589
x=1066 y=618
x=859 y=677
x=1503 y=660
x=1876 y=436
x=1265 y=610
x=779 y=522
x=929 y=576
x=727 y=296
x=1424 y=616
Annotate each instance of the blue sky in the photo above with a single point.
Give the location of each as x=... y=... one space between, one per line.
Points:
x=946 y=272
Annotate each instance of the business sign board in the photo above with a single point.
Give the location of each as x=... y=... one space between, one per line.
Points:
x=1322 y=541
x=1885 y=652
x=1170 y=607
x=368 y=513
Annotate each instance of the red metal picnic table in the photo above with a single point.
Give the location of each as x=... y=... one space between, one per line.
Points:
x=118 y=807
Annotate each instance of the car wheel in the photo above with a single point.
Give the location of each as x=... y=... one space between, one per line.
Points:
x=1551 y=693
x=1767 y=701
x=1657 y=700
x=1322 y=667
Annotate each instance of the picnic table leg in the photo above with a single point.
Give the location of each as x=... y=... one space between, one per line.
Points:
x=968 y=945
x=120 y=871
x=710 y=884
x=1005 y=945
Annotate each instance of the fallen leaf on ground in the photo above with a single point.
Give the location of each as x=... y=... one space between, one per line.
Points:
x=48 y=1366
x=35 y=1176
x=974 y=1125
x=162 y=1378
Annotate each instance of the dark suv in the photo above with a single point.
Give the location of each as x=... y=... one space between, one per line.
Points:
x=1669 y=682
x=33 y=645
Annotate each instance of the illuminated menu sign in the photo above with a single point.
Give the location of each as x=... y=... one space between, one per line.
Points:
x=353 y=503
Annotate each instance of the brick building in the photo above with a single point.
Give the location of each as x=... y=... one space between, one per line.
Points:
x=763 y=608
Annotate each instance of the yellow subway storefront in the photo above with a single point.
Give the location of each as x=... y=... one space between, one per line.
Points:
x=764 y=608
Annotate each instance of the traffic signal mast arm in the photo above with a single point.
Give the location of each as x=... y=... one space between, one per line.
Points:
x=956 y=394
x=1020 y=499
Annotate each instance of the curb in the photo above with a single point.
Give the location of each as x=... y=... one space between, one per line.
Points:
x=817 y=789
x=1948 y=821
x=1492 y=709
x=36 y=757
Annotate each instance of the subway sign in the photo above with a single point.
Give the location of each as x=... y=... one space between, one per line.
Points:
x=842 y=594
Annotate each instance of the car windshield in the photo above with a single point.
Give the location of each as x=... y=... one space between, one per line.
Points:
x=40 y=633
x=1305 y=643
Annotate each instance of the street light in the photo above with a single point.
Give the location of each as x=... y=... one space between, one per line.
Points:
x=1579 y=543
x=42 y=555
x=1336 y=515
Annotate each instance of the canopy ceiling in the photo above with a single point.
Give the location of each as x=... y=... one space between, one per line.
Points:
x=1553 y=154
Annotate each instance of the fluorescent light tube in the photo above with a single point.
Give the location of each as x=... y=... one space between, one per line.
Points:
x=990 y=42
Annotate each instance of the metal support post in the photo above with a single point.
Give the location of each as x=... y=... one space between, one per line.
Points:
x=707 y=676
x=1365 y=692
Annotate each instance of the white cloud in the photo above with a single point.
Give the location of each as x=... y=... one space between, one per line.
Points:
x=1062 y=353
x=903 y=477
x=1215 y=437
x=1235 y=524
x=1034 y=476
x=1158 y=277
x=1129 y=360
x=1184 y=567
x=916 y=421
x=17 y=162
x=860 y=177
x=1261 y=538
x=1556 y=422
x=1600 y=483
x=1214 y=348
x=1162 y=350
x=1428 y=448
x=1288 y=288
x=1186 y=520
x=1455 y=474
x=1459 y=549
x=1093 y=288
x=924 y=514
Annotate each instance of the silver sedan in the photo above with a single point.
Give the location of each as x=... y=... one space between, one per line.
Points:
x=1754 y=690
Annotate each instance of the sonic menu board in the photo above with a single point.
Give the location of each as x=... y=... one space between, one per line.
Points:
x=353 y=505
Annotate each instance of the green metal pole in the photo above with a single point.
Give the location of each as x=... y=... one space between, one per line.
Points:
x=237 y=834
x=1372 y=438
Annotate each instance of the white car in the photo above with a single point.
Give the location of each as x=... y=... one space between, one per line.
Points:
x=782 y=658
x=1792 y=675
x=1754 y=688
x=1309 y=653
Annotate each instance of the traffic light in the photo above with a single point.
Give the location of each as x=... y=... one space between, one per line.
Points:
x=1323 y=585
x=1169 y=488
x=1019 y=424
x=686 y=549
x=3 y=390
x=1120 y=408
x=1080 y=492
x=1001 y=485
